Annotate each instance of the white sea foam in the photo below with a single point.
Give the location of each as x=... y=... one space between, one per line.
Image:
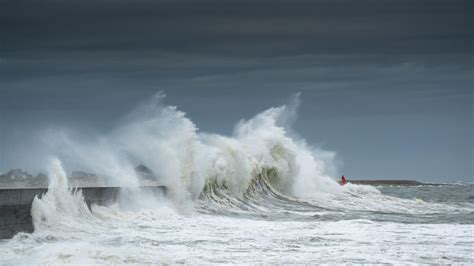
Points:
x=60 y=205
x=150 y=237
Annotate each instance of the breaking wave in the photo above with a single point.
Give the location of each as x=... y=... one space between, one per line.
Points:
x=190 y=162
x=262 y=169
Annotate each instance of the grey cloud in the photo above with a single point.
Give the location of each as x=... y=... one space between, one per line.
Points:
x=327 y=26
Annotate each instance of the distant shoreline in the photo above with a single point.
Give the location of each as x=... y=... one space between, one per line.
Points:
x=381 y=182
x=372 y=182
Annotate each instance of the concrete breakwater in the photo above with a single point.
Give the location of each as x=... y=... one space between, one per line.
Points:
x=15 y=204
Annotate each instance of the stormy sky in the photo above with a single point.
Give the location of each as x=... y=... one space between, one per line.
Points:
x=386 y=84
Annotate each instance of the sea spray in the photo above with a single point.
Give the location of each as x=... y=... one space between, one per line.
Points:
x=263 y=155
x=185 y=160
x=60 y=202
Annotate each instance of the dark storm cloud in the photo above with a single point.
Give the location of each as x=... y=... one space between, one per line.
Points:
x=41 y=38
x=219 y=26
x=90 y=61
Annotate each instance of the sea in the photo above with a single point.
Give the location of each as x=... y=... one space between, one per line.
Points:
x=261 y=195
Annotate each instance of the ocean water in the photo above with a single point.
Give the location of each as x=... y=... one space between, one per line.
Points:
x=430 y=224
x=260 y=195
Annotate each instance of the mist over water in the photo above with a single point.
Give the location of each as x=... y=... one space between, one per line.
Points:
x=260 y=195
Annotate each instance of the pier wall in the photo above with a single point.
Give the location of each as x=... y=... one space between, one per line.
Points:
x=15 y=205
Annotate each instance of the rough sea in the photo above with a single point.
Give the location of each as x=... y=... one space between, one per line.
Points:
x=422 y=224
x=259 y=196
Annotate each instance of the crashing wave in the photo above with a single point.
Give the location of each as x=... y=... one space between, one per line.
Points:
x=261 y=168
x=187 y=160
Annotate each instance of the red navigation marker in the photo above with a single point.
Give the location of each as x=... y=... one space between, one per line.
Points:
x=343 y=181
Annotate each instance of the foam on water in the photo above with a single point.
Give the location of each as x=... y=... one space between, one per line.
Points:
x=163 y=236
